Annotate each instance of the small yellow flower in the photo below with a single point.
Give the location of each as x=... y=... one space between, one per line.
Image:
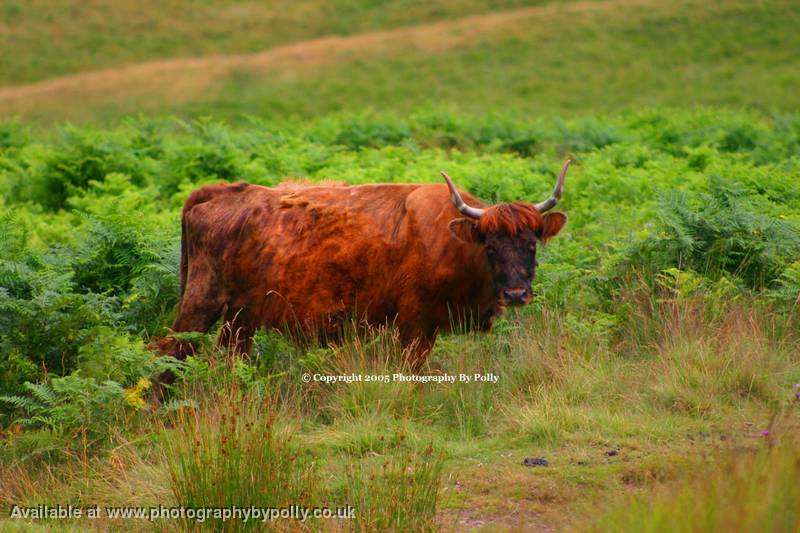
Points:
x=133 y=395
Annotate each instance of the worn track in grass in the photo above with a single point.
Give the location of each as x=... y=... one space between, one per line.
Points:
x=176 y=81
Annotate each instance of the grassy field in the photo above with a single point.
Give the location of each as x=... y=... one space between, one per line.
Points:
x=105 y=34
x=626 y=374
x=657 y=372
x=562 y=58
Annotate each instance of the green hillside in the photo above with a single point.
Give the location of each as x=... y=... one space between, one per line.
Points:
x=561 y=58
x=49 y=38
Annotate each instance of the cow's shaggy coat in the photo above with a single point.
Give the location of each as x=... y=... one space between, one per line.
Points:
x=304 y=258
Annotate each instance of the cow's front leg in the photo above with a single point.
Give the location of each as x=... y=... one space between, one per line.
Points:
x=417 y=346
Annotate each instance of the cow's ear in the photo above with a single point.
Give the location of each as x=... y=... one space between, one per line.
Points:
x=465 y=230
x=551 y=225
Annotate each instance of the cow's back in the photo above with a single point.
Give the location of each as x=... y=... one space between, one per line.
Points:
x=303 y=254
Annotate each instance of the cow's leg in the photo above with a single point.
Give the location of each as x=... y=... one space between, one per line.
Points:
x=417 y=353
x=417 y=335
x=198 y=311
x=199 y=308
x=417 y=344
x=236 y=335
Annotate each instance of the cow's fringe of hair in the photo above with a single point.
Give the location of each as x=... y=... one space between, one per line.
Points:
x=510 y=218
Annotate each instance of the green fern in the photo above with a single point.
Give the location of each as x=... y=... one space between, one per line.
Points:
x=42 y=393
x=70 y=406
x=726 y=232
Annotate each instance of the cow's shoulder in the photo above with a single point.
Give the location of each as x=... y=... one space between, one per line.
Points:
x=431 y=204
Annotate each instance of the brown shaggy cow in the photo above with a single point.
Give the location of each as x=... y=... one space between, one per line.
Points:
x=309 y=257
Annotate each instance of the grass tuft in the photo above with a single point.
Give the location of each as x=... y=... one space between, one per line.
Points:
x=234 y=452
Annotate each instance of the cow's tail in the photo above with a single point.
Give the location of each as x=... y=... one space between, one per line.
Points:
x=184 y=265
x=203 y=194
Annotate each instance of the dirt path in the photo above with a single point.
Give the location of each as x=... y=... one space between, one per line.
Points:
x=176 y=81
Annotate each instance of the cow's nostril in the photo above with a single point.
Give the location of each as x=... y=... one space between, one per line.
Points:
x=514 y=295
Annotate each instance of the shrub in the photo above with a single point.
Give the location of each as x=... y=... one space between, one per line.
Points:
x=13 y=135
x=234 y=452
x=117 y=279
x=399 y=495
x=65 y=416
x=726 y=232
x=140 y=271
x=358 y=132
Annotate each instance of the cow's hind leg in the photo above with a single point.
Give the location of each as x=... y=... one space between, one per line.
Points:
x=198 y=311
x=236 y=336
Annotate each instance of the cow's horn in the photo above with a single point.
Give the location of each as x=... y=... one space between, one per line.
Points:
x=463 y=208
x=556 y=196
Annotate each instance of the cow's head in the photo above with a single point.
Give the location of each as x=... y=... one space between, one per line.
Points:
x=509 y=233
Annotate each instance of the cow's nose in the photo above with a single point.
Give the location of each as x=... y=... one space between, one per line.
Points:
x=515 y=296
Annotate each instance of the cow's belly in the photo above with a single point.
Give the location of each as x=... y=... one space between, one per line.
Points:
x=314 y=294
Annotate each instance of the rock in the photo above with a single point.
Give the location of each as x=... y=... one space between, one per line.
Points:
x=535 y=461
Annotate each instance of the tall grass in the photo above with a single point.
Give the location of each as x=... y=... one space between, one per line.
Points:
x=233 y=452
x=697 y=356
x=748 y=491
x=699 y=363
x=232 y=449
x=399 y=495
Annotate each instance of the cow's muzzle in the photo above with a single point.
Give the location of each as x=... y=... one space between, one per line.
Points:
x=517 y=296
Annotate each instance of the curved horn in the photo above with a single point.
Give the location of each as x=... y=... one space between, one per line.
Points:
x=559 y=189
x=463 y=208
